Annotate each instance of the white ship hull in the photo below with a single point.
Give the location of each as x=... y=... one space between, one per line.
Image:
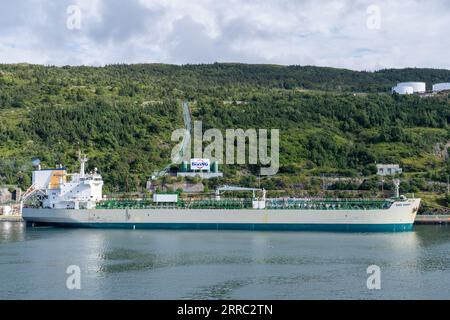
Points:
x=399 y=217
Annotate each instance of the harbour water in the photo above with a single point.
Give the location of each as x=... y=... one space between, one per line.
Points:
x=158 y=264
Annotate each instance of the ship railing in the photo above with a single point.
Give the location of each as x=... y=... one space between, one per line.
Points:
x=217 y=204
x=133 y=204
x=239 y=203
x=328 y=204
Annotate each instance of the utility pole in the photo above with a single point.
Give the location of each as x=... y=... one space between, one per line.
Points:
x=448 y=184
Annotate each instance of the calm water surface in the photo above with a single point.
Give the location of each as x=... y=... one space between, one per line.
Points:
x=149 y=264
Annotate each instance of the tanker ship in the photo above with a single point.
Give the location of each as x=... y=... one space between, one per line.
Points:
x=57 y=198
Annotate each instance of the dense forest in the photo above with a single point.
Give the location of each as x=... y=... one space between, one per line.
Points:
x=332 y=121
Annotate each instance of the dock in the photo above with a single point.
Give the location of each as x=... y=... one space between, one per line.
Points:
x=11 y=218
x=432 y=219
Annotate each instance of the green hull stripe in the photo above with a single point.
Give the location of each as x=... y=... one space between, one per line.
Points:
x=243 y=226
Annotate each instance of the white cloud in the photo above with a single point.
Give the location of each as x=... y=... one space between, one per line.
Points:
x=327 y=32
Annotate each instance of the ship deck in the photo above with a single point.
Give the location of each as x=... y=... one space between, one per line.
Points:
x=280 y=204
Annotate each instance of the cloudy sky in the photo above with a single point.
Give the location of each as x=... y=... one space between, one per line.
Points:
x=358 y=34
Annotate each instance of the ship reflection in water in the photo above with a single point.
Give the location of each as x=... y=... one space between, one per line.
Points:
x=157 y=264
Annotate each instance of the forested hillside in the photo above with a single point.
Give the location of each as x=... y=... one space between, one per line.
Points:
x=331 y=121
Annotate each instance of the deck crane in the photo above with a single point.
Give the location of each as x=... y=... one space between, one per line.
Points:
x=233 y=188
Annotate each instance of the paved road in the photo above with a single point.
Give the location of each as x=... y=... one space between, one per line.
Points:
x=186 y=141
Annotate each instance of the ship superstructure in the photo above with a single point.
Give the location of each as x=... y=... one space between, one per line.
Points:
x=57 y=189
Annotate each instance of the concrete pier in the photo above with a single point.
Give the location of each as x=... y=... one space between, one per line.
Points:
x=433 y=219
x=11 y=218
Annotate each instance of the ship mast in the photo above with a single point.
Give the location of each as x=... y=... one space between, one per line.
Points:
x=397 y=187
x=83 y=161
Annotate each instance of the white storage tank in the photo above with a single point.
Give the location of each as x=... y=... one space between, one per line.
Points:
x=6 y=210
x=403 y=90
x=418 y=87
x=441 y=86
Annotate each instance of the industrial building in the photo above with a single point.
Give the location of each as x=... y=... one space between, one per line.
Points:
x=438 y=87
x=201 y=168
x=388 y=169
x=5 y=195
